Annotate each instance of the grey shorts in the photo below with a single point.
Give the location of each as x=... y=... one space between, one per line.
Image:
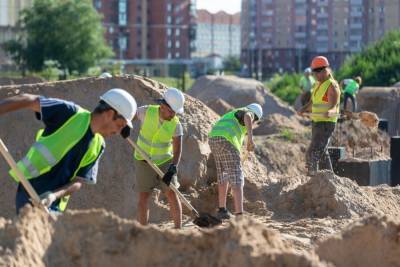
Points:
x=227 y=161
x=147 y=179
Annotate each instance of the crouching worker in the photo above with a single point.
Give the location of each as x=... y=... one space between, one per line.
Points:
x=160 y=137
x=226 y=140
x=67 y=151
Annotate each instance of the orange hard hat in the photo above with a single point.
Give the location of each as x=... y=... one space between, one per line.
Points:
x=319 y=62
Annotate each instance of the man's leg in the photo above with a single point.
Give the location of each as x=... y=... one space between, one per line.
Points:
x=325 y=160
x=345 y=99
x=222 y=193
x=354 y=103
x=238 y=198
x=311 y=157
x=175 y=208
x=143 y=208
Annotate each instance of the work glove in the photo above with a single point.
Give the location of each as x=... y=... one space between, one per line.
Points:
x=172 y=170
x=47 y=198
x=125 y=132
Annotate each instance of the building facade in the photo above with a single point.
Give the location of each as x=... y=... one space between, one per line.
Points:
x=149 y=29
x=284 y=35
x=217 y=33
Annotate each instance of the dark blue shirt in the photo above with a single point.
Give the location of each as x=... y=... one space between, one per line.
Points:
x=54 y=113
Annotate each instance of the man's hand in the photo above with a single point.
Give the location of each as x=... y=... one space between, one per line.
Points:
x=125 y=132
x=331 y=113
x=300 y=113
x=47 y=198
x=250 y=145
x=172 y=170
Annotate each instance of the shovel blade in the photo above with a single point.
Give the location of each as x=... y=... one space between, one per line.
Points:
x=206 y=220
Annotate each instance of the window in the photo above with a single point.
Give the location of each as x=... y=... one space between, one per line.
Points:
x=97 y=4
x=169 y=20
x=177 y=54
x=177 y=44
x=178 y=32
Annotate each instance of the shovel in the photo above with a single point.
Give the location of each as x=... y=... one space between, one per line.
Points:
x=25 y=183
x=203 y=219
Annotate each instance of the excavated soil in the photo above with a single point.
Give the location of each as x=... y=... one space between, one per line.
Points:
x=290 y=219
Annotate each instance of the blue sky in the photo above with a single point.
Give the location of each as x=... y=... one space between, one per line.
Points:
x=230 y=6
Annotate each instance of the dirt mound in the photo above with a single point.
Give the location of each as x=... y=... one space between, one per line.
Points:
x=328 y=195
x=116 y=174
x=238 y=92
x=99 y=238
x=23 y=80
x=372 y=241
x=276 y=123
x=219 y=106
x=361 y=141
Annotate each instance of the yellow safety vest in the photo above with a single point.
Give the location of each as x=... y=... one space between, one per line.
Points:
x=48 y=150
x=154 y=140
x=230 y=128
x=320 y=103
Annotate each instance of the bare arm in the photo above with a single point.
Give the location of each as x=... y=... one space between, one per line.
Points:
x=333 y=98
x=69 y=188
x=24 y=101
x=177 y=149
x=249 y=126
x=306 y=108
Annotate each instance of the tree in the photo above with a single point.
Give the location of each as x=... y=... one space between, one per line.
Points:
x=232 y=63
x=378 y=64
x=66 y=31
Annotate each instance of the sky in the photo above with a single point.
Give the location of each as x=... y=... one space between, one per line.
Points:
x=230 y=6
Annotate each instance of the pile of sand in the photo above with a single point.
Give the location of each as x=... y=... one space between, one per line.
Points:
x=361 y=141
x=328 y=195
x=372 y=241
x=276 y=123
x=238 y=92
x=99 y=238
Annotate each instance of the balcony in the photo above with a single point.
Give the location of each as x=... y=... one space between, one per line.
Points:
x=322 y=26
x=300 y=34
x=322 y=15
x=357 y=14
x=355 y=37
x=321 y=38
x=356 y=26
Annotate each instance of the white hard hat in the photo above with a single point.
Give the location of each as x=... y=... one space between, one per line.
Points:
x=175 y=99
x=256 y=109
x=105 y=75
x=122 y=102
x=307 y=70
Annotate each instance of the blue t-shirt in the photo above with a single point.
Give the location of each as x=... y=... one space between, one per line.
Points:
x=54 y=113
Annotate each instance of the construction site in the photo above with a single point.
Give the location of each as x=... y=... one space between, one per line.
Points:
x=349 y=217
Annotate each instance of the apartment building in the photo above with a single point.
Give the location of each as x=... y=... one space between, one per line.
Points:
x=284 y=35
x=217 y=33
x=149 y=29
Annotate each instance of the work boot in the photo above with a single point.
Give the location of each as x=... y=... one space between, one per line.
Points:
x=224 y=214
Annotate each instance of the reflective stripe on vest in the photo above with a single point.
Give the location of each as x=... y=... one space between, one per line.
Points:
x=230 y=128
x=49 y=150
x=156 y=140
x=320 y=103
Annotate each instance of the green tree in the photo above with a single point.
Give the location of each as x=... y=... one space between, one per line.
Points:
x=285 y=86
x=378 y=64
x=232 y=63
x=66 y=31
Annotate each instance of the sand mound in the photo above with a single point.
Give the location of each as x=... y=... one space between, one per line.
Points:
x=372 y=241
x=238 y=92
x=98 y=238
x=328 y=195
x=361 y=141
x=219 y=106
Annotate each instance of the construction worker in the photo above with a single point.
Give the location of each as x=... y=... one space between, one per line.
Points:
x=226 y=139
x=306 y=83
x=324 y=108
x=67 y=151
x=160 y=137
x=350 y=89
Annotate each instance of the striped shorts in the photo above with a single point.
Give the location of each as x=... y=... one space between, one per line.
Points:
x=227 y=161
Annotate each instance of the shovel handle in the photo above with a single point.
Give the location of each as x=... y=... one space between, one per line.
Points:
x=161 y=174
x=25 y=183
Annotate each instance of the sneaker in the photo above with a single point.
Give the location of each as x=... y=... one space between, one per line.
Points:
x=224 y=214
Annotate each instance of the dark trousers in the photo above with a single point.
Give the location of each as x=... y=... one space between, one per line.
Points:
x=353 y=101
x=317 y=156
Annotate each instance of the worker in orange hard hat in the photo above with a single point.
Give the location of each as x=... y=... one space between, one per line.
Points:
x=324 y=108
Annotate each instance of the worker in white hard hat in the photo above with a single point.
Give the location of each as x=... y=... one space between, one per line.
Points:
x=225 y=140
x=67 y=150
x=160 y=137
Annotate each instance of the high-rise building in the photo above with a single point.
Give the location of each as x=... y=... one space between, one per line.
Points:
x=284 y=35
x=149 y=29
x=217 y=33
